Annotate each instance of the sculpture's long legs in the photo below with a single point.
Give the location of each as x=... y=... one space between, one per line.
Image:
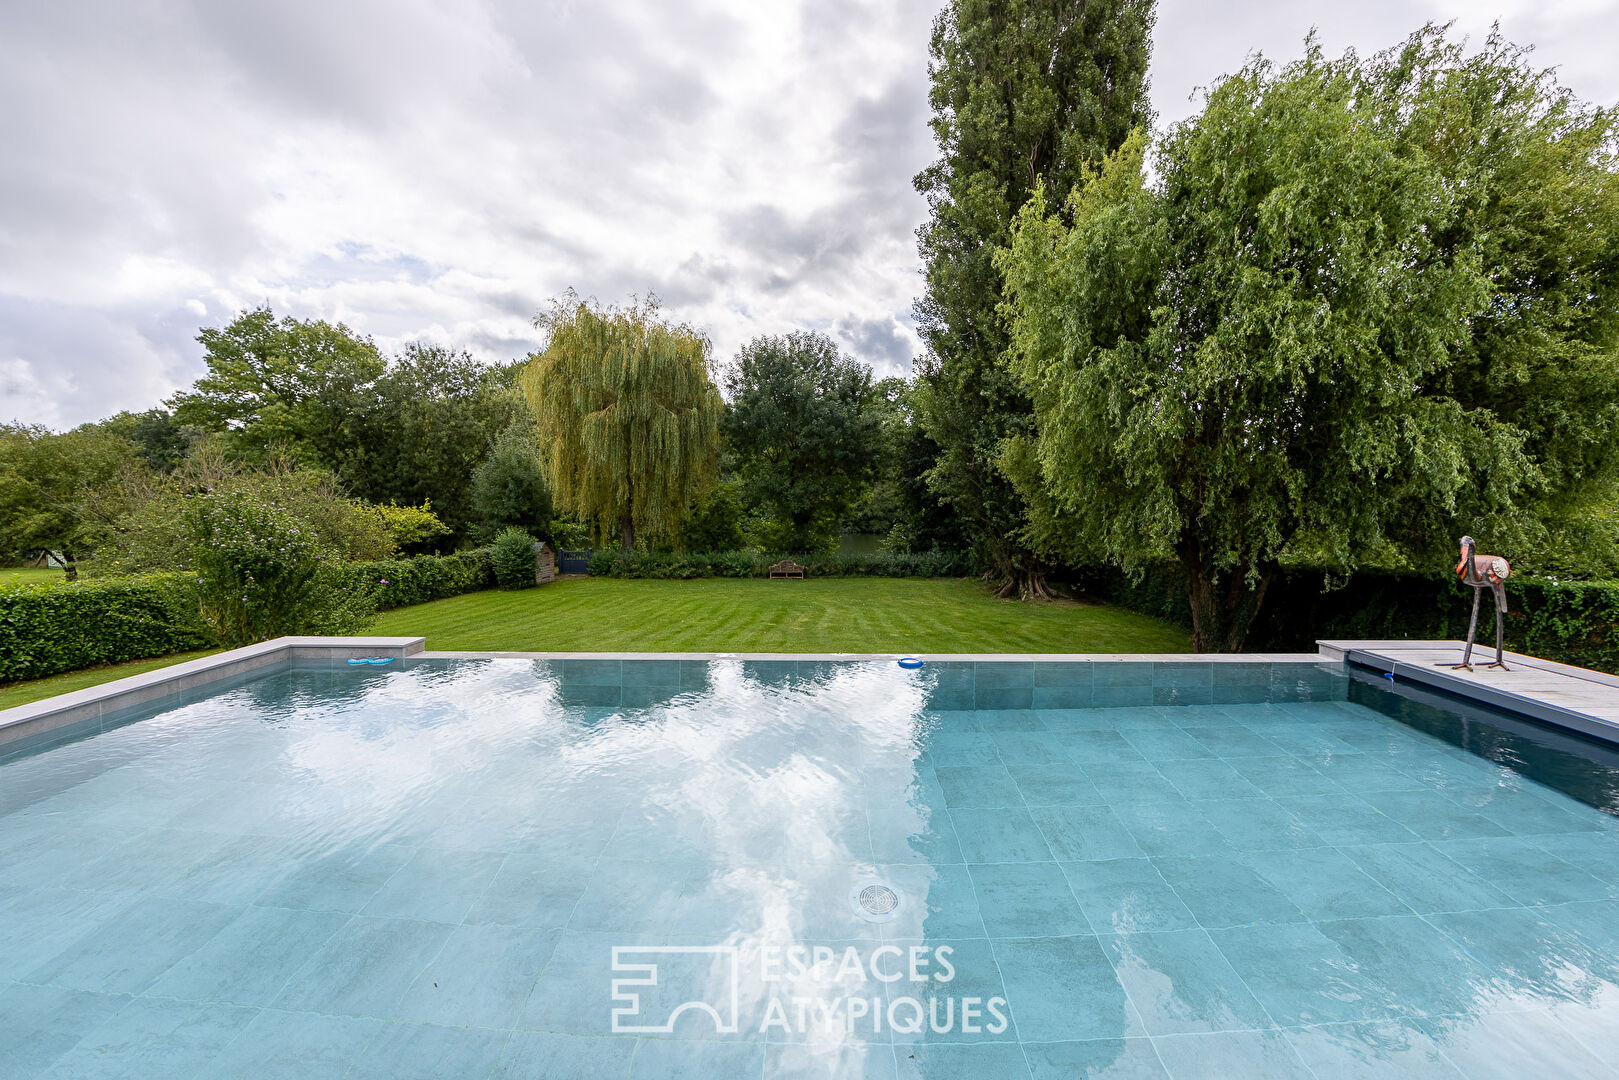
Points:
x=1472 y=631
x=1500 y=626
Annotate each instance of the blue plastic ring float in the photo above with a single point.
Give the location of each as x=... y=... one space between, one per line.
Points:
x=910 y=662
x=355 y=661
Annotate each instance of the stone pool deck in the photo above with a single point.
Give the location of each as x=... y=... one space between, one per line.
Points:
x=1561 y=694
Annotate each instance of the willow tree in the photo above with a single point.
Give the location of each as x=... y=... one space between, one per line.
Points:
x=628 y=416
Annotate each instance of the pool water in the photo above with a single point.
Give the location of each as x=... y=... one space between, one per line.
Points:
x=447 y=870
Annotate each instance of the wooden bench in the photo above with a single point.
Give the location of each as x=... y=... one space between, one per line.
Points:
x=786 y=569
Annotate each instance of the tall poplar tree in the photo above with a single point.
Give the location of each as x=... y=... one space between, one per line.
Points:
x=1022 y=90
x=628 y=416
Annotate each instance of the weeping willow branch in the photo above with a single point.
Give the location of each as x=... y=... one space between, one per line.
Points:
x=628 y=416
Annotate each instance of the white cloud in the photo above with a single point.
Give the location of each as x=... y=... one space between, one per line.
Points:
x=439 y=170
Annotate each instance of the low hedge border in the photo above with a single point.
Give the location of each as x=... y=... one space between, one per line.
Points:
x=749 y=564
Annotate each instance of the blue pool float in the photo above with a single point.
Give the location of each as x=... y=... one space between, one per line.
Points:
x=355 y=661
x=910 y=662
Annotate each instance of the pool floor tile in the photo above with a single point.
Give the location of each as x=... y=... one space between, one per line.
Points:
x=961 y=1061
x=533 y=891
x=1006 y=834
x=280 y=1045
x=1495 y=1046
x=1225 y=891
x=365 y=968
x=1125 y=896
x=137 y=945
x=250 y=960
x=531 y=1054
x=1063 y=987
x=153 y=1038
x=1026 y=900
x=1121 y=1059
x=1251 y=1055
x=429 y=1052
x=1179 y=982
x=42 y=1023
x=1372 y=1051
x=480 y=978
x=1085 y=832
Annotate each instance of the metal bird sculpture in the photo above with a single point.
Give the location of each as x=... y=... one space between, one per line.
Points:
x=1480 y=572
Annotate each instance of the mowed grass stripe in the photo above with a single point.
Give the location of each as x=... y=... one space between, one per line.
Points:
x=818 y=615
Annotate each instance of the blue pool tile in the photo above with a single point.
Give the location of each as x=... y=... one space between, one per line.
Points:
x=1179 y=981
x=293 y=1046
x=481 y=978
x=1166 y=744
x=140 y=943
x=1258 y=825
x=804 y=1061
x=596 y=672
x=1540 y=817
x=1170 y=827
x=250 y=960
x=659 y=673
x=1098 y=748
x=940 y=900
x=1207 y=778
x=1063 y=697
x=1018 y=900
x=1126 y=895
x=1324 y=883
x=1597 y=853
x=1299 y=975
x=1232 y=740
x=573 y=995
x=1085 y=832
x=531 y=1054
x=1285 y=775
x=1346 y=819
x=1371 y=1050
x=1009 y=720
x=153 y=1038
x=976 y=973
x=428 y=1052
x=1131 y=781
x=1526 y=872
x=961 y=1061
x=1006 y=834
x=1432 y=816
x=1063 y=673
x=914 y=835
x=1593 y=923
x=1003 y=697
x=1424 y=879
x=1412 y=966
x=1001 y=674
x=1063 y=987
x=365 y=968
x=1251 y=1055
x=1505 y=1046
x=632 y=895
x=1224 y=891
x=1529 y=956
x=675 y=1059
x=1121 y=685
x=344 y=880
x=1239 y=683
x=590 y=695
x=978 y=786
x=963 y=748
x=438 y=886
x=1027 y=748
x=44 y=1022
x=1182 y=684
x=1054 y=785
x=37 y=924
x=1134 y=1058
x=534 y=891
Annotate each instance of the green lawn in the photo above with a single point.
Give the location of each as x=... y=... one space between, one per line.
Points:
x=13 y=575
x=21 y=693
x=730 y=615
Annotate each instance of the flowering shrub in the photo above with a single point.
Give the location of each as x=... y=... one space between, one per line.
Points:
x=262 y=573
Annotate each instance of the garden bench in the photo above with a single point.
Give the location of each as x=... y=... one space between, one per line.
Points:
x=786 y=569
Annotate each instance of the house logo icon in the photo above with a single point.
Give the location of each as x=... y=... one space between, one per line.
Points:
x=644 y=978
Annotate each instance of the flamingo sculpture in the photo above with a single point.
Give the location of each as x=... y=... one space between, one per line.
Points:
x=1482 y=572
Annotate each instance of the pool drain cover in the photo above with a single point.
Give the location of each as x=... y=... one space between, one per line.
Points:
x=875 y=901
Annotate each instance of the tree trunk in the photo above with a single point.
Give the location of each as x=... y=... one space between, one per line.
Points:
x=70 y=565
x=628 y=536
x=1222 y=611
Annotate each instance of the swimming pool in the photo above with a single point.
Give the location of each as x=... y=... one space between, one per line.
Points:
x=514 y=868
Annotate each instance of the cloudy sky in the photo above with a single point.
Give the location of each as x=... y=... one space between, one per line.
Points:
x=437 y=170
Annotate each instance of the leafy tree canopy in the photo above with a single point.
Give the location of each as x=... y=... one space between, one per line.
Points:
x=628 y=416
x=48 y=486
x=1021 y=90
x=1364 y=302
x=285 y=383
x=509 y=489
x=806 y=434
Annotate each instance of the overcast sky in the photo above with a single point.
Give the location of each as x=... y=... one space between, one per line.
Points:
x=439 y=170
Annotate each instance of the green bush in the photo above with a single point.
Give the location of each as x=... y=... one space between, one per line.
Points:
x=744 y=564
x=64 y=626
x=512 y=554
x=1573 y=622
x=402 y=582
x=261 y=573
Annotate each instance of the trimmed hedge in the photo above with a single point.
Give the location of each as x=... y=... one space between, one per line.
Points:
x=402 y=582
x=748 y=564
x=49 y=629
x=1574 y=622
x=46 y=629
